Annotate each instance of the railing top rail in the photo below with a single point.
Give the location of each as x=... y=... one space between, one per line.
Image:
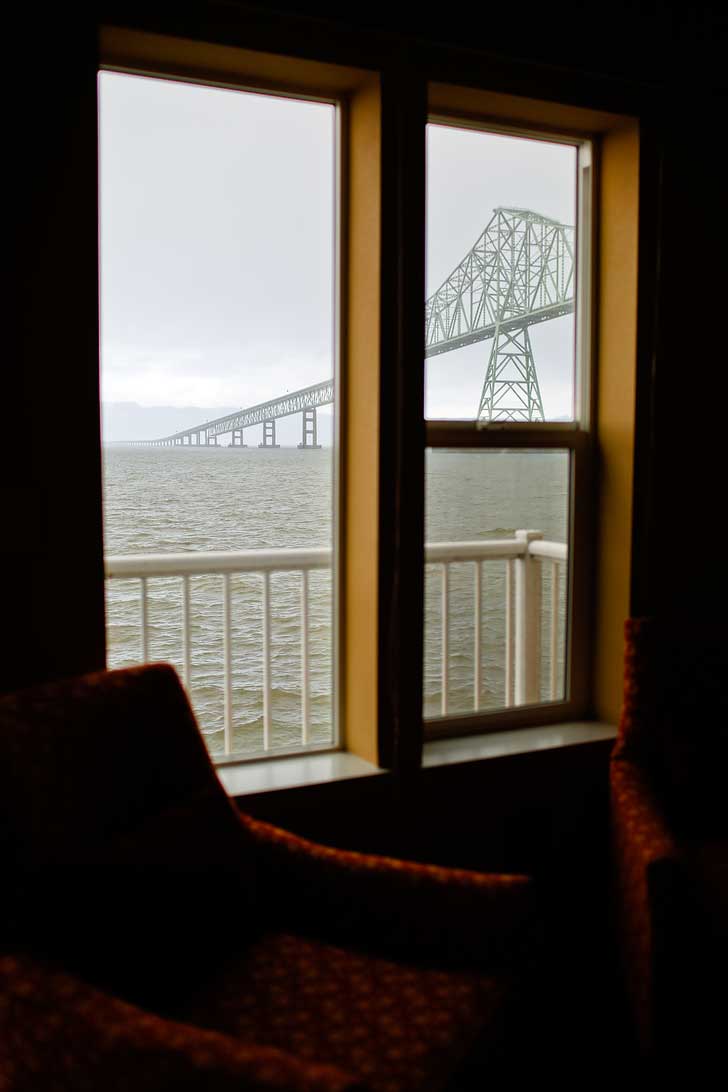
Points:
x=119 y=566
x=205 y=563
x=483 y=549
x=554 y=551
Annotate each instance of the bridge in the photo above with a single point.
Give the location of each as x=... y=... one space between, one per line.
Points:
x=520 y=272
x=305 y=402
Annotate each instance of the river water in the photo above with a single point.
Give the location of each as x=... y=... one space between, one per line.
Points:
x=169 y=500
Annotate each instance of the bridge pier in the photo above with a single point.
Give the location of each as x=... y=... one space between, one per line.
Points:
x=309 y=428
x=210 y=441
x=237 y=438
x=269 y=434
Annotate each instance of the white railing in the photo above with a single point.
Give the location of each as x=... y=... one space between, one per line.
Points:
x=525 y=558
x=146 y=566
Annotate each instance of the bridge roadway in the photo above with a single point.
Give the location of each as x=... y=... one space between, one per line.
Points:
x=305 y=401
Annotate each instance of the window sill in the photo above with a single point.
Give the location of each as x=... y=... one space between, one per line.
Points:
x=519 y=741
x=298 y=771
x=293 y=772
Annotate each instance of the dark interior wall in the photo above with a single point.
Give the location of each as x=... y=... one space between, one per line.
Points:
x=545 y=813
x=51 y=489
x=51 y=562
x=690 y=458
x=671 y=55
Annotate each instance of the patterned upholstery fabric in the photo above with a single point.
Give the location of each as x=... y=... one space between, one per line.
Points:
x=399 y=1026
x=422 y=911
x=58 y=1034
x=671 y=894
x=120 y=848
x=636 y=734
x=647 y=859
x=112 y=814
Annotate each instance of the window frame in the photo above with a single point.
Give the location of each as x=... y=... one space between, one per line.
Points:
x=575 y=436
x=602 y=590
x=204 y=64
x=259 y=88
x=387 y=102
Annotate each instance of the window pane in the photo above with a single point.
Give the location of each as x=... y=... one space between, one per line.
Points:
x=499 y=317
x=496 y=534
x=217 y=315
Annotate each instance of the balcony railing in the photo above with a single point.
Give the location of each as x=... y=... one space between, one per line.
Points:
x=528 y=559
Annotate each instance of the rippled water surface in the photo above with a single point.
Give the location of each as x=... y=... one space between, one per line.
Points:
x=473 y=495
x=167 y=500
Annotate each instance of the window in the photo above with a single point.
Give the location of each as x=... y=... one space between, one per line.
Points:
x=600 y=438
x=396 y=500
x=218 y=359
x=507 y=411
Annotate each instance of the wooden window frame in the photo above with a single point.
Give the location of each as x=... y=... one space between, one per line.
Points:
x=576 y=438
x=601 y=571
x=385 y=101
x=355 y=93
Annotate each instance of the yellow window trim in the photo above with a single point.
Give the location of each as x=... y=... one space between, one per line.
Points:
x=615 y=254
x=358 y=93
x=617 y=144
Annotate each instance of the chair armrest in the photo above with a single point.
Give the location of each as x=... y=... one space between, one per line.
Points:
x=444 y=914
x=642 y=833
x=58 y=1033
x=648 y=870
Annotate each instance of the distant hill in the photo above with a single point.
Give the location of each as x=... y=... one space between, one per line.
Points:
x=132 y=421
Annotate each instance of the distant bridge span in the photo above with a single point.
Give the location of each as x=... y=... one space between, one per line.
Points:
x=519 y=272
x=305 y=401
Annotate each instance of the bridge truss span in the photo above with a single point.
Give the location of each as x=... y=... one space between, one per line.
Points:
x=321 y=394
x=304 y=401
x=520 y=272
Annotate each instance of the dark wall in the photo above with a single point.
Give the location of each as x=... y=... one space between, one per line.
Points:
x=51 y=563
x=665 y=62
x=545 y=814
x=667 y=59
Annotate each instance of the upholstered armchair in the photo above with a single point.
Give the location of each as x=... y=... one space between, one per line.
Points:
x=153 y=937
x=669 y=773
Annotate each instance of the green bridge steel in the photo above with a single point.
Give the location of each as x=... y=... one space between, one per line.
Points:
x=520 y=272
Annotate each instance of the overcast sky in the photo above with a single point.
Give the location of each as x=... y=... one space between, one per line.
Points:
x=217 y=238
x=469 y=174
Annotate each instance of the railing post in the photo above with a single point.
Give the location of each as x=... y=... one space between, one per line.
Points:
x=527 y=623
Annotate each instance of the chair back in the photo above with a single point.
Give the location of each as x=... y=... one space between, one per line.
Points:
x=118 y=839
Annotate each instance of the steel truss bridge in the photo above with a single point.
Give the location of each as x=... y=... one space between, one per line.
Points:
x=305 y=402
x=520 y=272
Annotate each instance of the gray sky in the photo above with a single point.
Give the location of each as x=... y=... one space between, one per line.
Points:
x=217 y=245
x=469 y=174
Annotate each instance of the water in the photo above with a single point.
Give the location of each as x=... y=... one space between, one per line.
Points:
x=166 y=500
x=472 y=495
